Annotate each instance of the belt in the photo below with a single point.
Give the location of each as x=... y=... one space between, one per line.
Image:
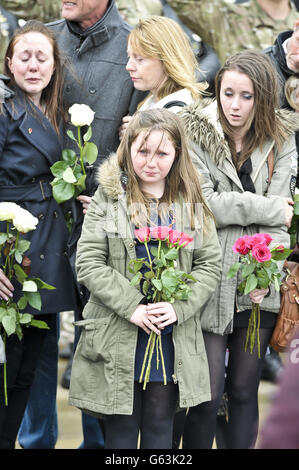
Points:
x=38 y=191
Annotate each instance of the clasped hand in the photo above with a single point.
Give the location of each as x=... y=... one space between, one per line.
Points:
x=154 y=317
x=257 y=295
x=6 y=287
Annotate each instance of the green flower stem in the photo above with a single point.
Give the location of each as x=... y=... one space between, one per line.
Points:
x=253 y=330
x=162 y=359
x=145 y=357
x=81 y=150
x=5 y=372
x=151 y=350
x=149 y=255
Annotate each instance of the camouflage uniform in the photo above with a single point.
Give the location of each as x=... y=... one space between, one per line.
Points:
x=133 y=10
x=43 y=10
x=229 y=28
x=4 y=39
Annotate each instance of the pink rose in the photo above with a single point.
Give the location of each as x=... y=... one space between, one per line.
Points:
x=262 y=238
x=174 y=236
x=279 y=248
x=243 y=245
x=185 y=239
x=143 y=234
x=160 y=232
x=261 y=253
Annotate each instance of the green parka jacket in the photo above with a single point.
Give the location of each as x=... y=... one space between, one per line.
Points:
x=103 y=366
x=238 y=212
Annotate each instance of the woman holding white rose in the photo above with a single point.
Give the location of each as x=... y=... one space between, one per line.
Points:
x=30 y=122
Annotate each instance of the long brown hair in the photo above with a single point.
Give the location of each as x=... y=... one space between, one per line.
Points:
x=51 y=96
x=182 y=178
x=263 y=122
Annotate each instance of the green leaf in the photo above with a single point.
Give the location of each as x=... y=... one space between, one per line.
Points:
x=145 y=287
x=233 y=270
x=39 y=324
x=58 y=168
x=71 y=135
x=81 y=183
x=69 y=156
x=29 y=286
x=22 y=303
x=247 y=269
x=251 y=284
x=41 y=284
x=9 y=324
x=88 y=134
x=23 y=245
x=149 y=275
x=90 y=152
x=296 y=208
x=62 y=191
x=172 y=254
x=170 y=279
x=154 y=251
x=18 y=256
x=136 y=279
x=25 y=318
x=20 y=273
x=3 y=312
x=68 y=176
x=34 y=299
x=3 y=237
x=276 y=284
x=157 y=284
x=277 y=256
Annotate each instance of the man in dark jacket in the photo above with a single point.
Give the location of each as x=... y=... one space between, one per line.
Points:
x=285 y=56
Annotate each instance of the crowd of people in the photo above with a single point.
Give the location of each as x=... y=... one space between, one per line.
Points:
x=190 y=99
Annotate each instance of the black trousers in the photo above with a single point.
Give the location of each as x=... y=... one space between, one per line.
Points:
x=22 y=357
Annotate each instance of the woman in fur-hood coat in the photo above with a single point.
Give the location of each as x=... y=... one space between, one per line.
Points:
x=232 y=142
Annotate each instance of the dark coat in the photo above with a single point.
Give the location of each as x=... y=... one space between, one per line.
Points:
x=28 y=147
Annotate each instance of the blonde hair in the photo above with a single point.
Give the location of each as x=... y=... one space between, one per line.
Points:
x=182 y=178
x=162 y=38
x=291 y=90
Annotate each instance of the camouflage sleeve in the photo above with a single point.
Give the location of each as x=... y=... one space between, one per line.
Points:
x=132 y=10
x=201 y=16
x=43 y=10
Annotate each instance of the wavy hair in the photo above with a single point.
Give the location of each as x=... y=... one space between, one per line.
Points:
x=263 y=122
x=162 y=38
x=182 y=178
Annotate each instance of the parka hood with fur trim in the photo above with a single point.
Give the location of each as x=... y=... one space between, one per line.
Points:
x=203 y=127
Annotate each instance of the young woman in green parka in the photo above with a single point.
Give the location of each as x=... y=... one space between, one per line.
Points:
x=232 y=138
x=150 y=181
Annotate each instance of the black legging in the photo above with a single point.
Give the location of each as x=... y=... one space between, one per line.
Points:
x=22 y=357
x=242 y=382
x=153 y=414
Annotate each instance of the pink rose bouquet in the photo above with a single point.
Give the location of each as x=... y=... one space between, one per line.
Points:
x=161 y=281
x=258 y=268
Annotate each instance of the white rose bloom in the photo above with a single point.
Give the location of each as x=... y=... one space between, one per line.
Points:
x=81 y=115
x=8 y=211
x=24 y=221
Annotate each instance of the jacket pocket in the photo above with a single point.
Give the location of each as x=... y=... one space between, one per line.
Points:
x=193 y=335
x=96 y=342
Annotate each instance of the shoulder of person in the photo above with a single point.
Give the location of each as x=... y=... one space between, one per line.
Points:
x=57 y=25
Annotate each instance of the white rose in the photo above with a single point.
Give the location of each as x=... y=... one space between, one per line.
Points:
x=81 y=115
x=24 y=221
x=8 y=211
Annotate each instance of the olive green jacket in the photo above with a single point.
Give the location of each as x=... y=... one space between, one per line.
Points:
x=103 y=366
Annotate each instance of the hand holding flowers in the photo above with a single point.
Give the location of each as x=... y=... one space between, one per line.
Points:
x=15 y=268
x=258 y=269
x=162 y=284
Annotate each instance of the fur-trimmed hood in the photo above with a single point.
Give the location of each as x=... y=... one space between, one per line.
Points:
x=110 y=177
x=203 y=127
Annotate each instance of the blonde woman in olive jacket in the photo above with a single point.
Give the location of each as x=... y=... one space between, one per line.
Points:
x=102 y=381
x=232 y=139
